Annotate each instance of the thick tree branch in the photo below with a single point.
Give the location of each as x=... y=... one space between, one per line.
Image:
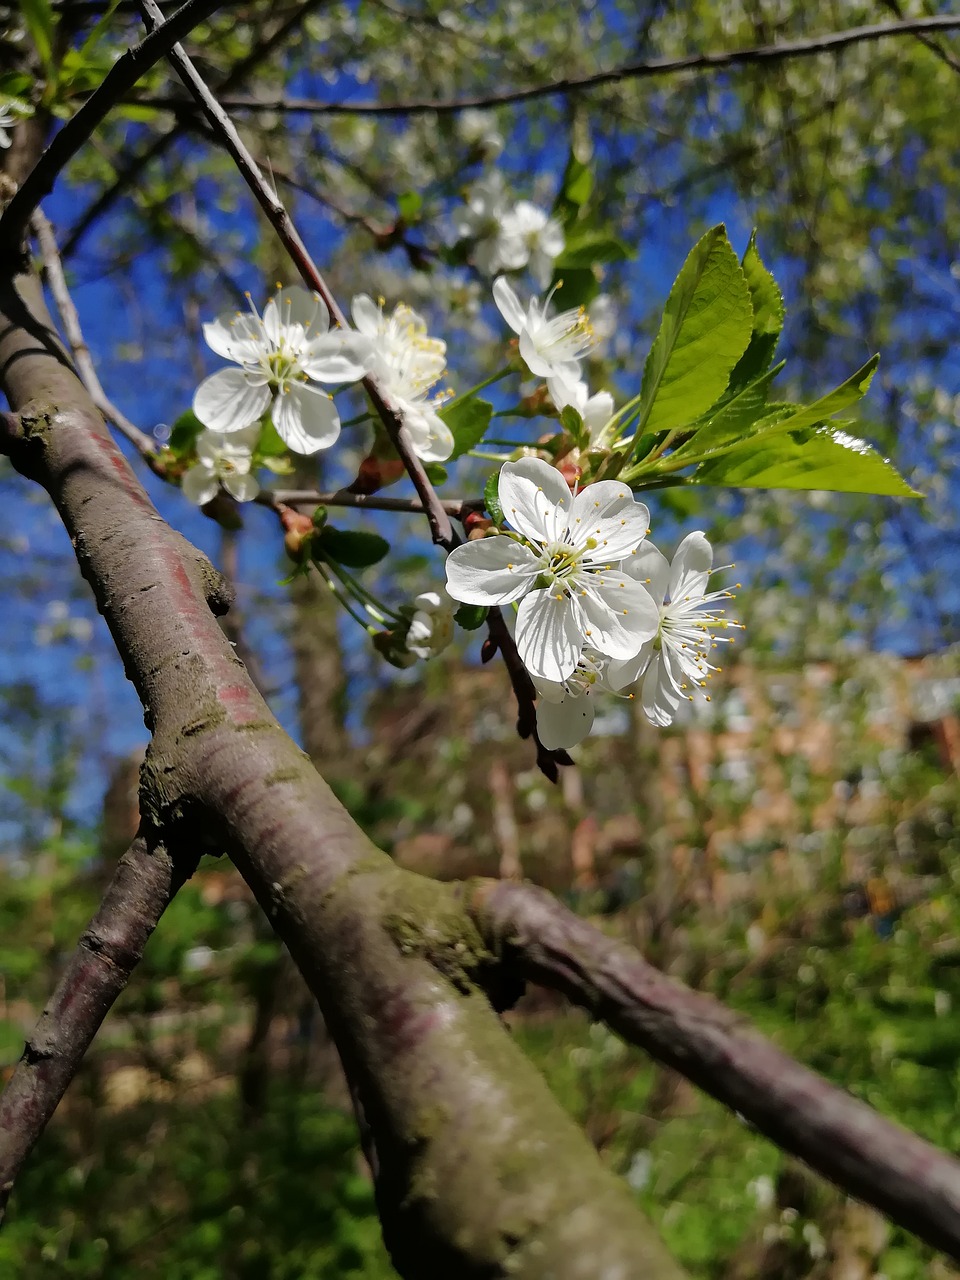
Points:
x=480 y=1172
x=145 y=881
x=646 y=70
x=65 y=144
x=868 y=1156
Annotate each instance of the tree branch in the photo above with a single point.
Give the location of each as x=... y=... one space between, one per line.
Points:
x=645 y=70
x=159 y=147
x=868 y=1156
x=456 y=508
x=70 y=319
x=65 y=144
x=481 y=1174
x=145 y=881
x=441 y=529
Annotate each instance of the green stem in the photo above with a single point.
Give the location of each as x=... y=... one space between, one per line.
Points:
x=487 y=382
x=342 y=599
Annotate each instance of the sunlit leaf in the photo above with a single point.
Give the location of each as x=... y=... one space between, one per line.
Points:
x=468 y=419
x=706 y=327
x=826 y=458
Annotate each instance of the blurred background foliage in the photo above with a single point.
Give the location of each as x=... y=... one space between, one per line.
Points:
x=791 y=847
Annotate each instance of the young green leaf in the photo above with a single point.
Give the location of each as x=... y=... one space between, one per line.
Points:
x=436 y=473
x=184 y=432
x=491 y=498
x=768 y=314
x=732 y=420
x=706 y=327
x=841 y=397
x=826 y=458
x=471 y=616
x=573 y=424
x=352 y=547
x=468 y=419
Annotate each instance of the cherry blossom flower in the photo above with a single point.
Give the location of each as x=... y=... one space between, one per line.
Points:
x=565 y=709
x=551 y=346
x=508 y=237
x=676 y=659
x=564 y=567
x=431 y=627
x=595 y=410
x=406 y=363
x=222 y=460
x=538 y=239
x=281 y=355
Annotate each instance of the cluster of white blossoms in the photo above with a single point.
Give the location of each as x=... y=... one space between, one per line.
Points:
x=598 y=607
x=285 y=358
x=407 y=364
x=506 y=236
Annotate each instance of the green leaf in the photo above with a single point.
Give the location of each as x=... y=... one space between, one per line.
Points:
x=471 y=616
x=826 y=458
x=270 y=444
x=354 y=548
x=734 y=418
x=591 y=247
x=706 y=327
x=491 y=498
x=468 y=419
x=576 y=187
x=184 y=433
x=573 y=423
x=38 y=16
x=841 y=397
x=768 y=315
x=436 y=473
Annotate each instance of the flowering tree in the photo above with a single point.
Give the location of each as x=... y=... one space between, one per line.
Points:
x=478 y=1172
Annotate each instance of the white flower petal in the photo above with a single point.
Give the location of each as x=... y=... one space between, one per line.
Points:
x=227 y=401
x=619 y=613
x=335 y=357
x=508 y=304
x=242 y=487
x=220 y=335
x=306 y=418
x=564 y=724
x=535 y=499
x=658 y=697
x=625 y=671
x=691 y=568
x=367 y=316
x=432 y=439
x=549 y=634
x=199 y=484
x=299 y=306
x=650 y=567
x=491 y=571
x=607 y=515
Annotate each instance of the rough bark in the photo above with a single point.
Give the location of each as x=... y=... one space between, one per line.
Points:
x=145 y=881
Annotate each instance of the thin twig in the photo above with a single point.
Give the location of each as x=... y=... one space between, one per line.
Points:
x=440 y=527
x=123 y=75
x=456 y=508
x=128 y=176
x=645 y=70
x=57 y=283
x=870 y=1157
x=142 y=887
